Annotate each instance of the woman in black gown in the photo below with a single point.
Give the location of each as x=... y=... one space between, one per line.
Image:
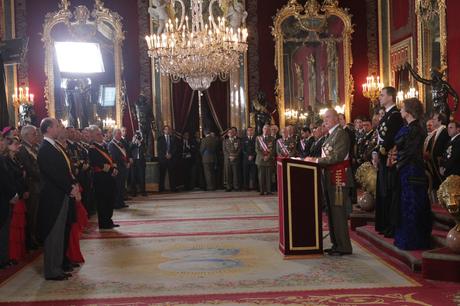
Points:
x=414 y=226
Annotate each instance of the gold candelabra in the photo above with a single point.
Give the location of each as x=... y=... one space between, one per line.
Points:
x=22 y=95
x=371 y=90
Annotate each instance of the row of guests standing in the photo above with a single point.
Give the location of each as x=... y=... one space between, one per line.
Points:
x=411 y=164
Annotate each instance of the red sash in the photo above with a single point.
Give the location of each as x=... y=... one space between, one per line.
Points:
x=338 y=173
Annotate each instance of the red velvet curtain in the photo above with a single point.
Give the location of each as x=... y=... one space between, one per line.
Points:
x=182 y=99
x=219 y=102
x=214 y=103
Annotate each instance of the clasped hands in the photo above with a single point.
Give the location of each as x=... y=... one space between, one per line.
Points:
x=75 y=193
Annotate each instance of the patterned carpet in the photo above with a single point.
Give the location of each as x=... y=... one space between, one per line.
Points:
x=217 y=250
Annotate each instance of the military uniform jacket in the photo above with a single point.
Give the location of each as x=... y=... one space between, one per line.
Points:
x=451 y=161
x=336 y=152
x=232 y=149
x=285 y=147
x=265 y=146
x=118 y=153
x=436 y=145
x=98 y=157
x=365 y=146
x=27 y=157
x=388 y=126
x=208 y=149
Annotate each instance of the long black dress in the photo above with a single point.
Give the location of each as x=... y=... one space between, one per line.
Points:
x=414 y=227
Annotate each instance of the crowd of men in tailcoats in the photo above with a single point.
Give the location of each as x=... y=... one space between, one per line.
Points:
x=51 y=168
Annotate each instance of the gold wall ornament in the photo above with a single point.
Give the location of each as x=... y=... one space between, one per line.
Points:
x=98 y=17
x=312 y=18
x=449 y=197
x=431 y=25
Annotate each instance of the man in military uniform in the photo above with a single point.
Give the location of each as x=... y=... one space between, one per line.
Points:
x=167 y=151
x=27 y=157
x=208 y=149
x=305 y=143
x=104 y=173
x=285 y=146
x=451 y=162
x=366 y=143
x=84 y=176
x=188 y=153
x=249 y=159
x=137 y=153
x=386 y=210
x=265 y=159
x=119 y=156
x=232 y=150
x=337 y=180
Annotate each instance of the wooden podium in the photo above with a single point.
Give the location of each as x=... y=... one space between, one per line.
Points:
x=300 y=211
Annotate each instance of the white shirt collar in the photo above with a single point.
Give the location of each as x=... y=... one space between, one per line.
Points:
x=389 y=108
x=50 y=140
x=331 y=130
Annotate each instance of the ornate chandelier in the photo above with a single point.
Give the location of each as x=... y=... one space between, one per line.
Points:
x=199 y=52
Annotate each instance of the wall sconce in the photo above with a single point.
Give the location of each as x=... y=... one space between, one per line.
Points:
x=108 y=123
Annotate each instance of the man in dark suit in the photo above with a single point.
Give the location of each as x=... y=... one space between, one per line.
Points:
x=120 y=157
x=249 y=160
x=315 y=150
x=386 y=209
x=450 y=164
x=305 y=143
x=188 y=159
x=59 y=186
x=27 y=157
x=104 y=173
x=167 y=150
x=337 y=180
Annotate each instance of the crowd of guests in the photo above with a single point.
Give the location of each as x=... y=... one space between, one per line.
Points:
x=53 y=178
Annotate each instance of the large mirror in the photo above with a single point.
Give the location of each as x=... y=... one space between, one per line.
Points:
x=83 y=65
x=431 y=42
x=313 y=58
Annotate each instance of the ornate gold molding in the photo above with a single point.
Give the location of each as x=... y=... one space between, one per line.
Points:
x=98 y=15
x=312 y=9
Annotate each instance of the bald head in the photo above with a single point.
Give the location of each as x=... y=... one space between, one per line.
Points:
x=331 y=118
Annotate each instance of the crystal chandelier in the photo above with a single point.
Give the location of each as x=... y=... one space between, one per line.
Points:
x=198 y=52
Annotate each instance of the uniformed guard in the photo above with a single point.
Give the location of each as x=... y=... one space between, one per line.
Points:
x=265 y=159
x=232 y=150
x=249 y=160
x=450 y=164
x=285 y=146
x=104 y=172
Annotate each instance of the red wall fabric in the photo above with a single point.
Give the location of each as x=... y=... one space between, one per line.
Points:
x=453 y=45
x=399 y=13
x=36 y=11
x=359 y=70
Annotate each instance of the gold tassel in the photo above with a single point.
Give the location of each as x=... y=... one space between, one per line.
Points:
x=338 y=195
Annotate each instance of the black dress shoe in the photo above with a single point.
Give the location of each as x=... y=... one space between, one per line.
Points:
x=329 y=250
x=57 y=278
x=144 y=194
x=269 y=193
x=115 y=225
x=262 y=193
x=228 y=190
x=75 y=265
x=67 y=269
x=338 y=253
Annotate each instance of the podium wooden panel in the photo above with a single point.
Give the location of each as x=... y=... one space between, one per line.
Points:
x=300 y=213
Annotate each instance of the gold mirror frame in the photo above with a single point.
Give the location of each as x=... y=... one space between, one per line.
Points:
x=99 y=15
x=294 y=9
x=425 y=10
